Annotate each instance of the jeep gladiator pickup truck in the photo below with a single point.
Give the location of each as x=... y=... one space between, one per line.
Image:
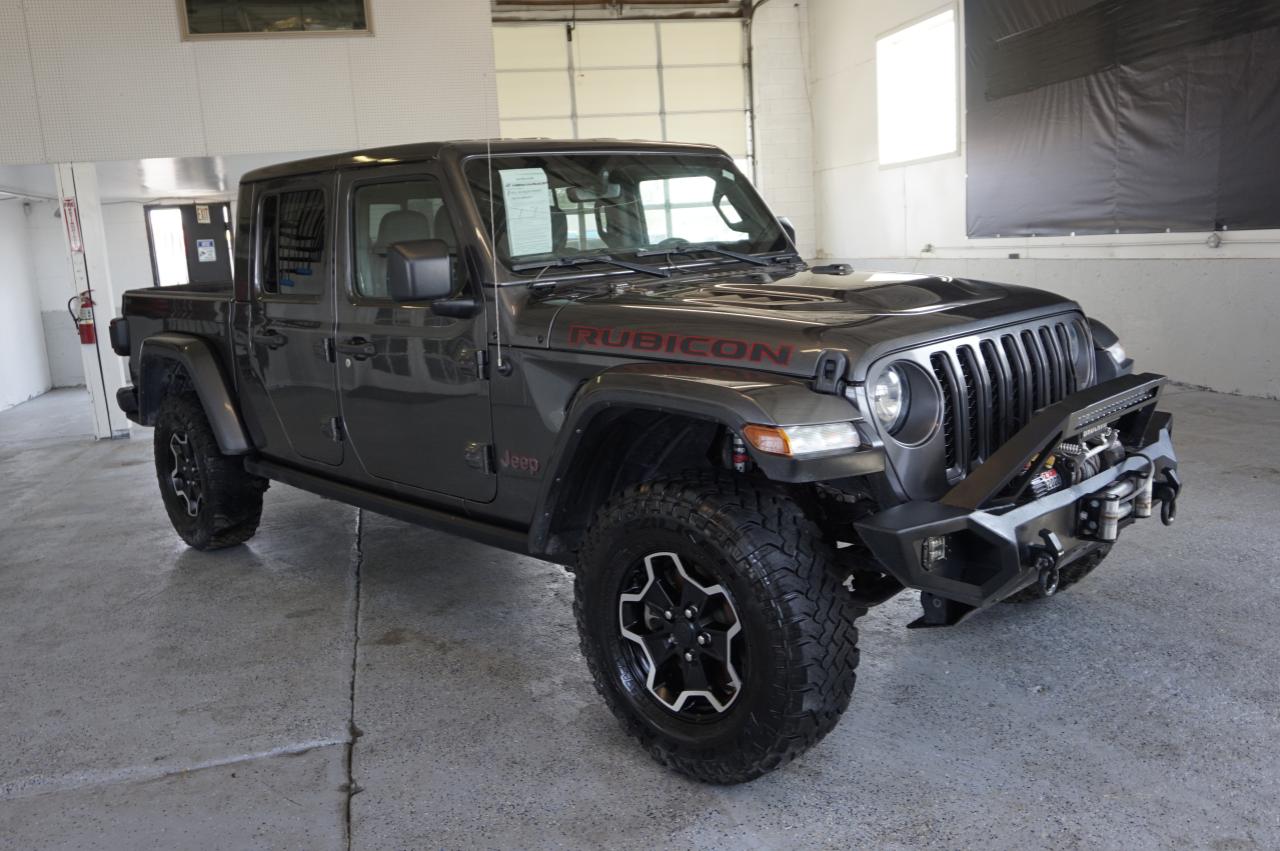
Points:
x=609 y=355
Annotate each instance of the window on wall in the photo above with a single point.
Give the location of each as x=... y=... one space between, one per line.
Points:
x=678 y=81
x=916 y=90
x=273 y=17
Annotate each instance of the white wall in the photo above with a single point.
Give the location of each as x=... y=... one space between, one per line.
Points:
x=24 y=369
x=88 y=80
x=128 y=252
x=51 y=274
x=783 y=126
x=1200 y=314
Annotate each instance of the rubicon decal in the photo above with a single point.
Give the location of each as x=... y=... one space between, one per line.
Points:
x=719 y=348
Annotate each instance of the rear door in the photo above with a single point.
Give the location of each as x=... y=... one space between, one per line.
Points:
x=291 y=331
x=415 y=401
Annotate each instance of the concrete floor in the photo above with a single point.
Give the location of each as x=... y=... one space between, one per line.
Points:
x=159 y=697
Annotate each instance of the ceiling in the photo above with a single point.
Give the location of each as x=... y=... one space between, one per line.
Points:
x=151 y=180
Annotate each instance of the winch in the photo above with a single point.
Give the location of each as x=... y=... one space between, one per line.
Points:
x=1085 y=458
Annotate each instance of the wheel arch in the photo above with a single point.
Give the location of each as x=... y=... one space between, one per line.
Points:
x=171 y=363
x=640 y=421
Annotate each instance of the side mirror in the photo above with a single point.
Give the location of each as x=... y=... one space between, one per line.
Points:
x=419 y=270
x=788 y=227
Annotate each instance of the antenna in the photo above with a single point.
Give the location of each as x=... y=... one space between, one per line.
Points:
x=493 y=235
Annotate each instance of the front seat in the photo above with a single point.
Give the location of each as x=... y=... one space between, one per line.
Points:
x=396 y=226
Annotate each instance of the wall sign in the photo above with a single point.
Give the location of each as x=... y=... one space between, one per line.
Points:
x=206 y=252
x=71 y=216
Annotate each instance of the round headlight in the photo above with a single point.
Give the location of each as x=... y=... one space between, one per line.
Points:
x=890 y=397
x=1080 y=351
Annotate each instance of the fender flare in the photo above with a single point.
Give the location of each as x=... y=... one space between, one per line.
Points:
x=728 y=396
x=207 y=376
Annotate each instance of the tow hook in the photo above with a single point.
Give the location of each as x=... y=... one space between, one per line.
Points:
x=1166 y=491
x=1045 y=557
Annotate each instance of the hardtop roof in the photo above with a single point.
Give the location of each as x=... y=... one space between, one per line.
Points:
x=423 y=151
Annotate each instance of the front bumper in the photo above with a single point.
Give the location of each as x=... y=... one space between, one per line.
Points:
x=995 y=540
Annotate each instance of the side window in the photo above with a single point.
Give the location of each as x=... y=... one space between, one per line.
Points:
x=292 y=248
x=384 y=214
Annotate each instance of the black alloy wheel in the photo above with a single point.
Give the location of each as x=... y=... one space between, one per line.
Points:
x=185 y=476
x=686 y=635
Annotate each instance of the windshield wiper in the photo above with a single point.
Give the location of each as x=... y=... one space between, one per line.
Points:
x=692 y=248
x=586 y=260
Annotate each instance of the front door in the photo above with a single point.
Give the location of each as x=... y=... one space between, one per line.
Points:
x=414 y=398
x=292 y=327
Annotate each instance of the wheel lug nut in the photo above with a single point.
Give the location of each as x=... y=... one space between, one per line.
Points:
x=668 y=614
x=690 y=612
x=688 y=655
x=703 y=639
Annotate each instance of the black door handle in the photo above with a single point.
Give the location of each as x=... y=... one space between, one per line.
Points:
x=358 y=347
x=272 y=339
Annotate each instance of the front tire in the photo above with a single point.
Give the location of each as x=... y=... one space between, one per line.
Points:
x=714 y=624
x=211 y=501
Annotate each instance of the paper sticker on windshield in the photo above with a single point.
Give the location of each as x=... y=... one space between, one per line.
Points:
x=528 y=202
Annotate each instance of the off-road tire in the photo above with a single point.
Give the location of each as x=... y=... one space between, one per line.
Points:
x=1070 y=575
x=231 y=499
x=797 y=621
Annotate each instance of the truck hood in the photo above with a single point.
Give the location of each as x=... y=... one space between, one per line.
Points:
x=783 y=323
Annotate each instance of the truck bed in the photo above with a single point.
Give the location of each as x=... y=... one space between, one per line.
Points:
x=204 y=310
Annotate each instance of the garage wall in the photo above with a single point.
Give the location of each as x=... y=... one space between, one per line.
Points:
x=88 y=80
x=24 y=368
x=1203 y=315
x=51 y=274
x=784 y=130
x=129 y=260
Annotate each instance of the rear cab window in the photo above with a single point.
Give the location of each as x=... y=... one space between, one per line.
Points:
x=292 y=231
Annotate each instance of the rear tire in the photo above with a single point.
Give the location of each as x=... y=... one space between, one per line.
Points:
x=757 y=604
x=211 y=501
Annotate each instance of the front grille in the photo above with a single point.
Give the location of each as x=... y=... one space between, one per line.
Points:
x=992 y=387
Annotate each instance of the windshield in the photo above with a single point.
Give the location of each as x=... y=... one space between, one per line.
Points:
x=552 y=207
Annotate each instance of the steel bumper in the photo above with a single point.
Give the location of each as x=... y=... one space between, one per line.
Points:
x=997 y=542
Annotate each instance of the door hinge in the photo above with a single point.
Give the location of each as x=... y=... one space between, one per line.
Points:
x=330 y=350
x=335 y=429
x=482 y=363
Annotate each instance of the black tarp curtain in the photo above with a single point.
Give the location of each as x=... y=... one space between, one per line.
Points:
x=1125 y=116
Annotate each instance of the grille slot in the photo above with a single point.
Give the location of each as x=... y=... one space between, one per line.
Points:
x=990 y=392
x=1064 y=345
x=973 y=417
x=999 y=397
x=942 y=372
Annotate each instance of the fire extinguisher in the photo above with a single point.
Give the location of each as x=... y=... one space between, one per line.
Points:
x=84 y=318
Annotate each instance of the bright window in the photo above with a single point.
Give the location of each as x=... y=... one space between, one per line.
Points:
x=916 y=91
